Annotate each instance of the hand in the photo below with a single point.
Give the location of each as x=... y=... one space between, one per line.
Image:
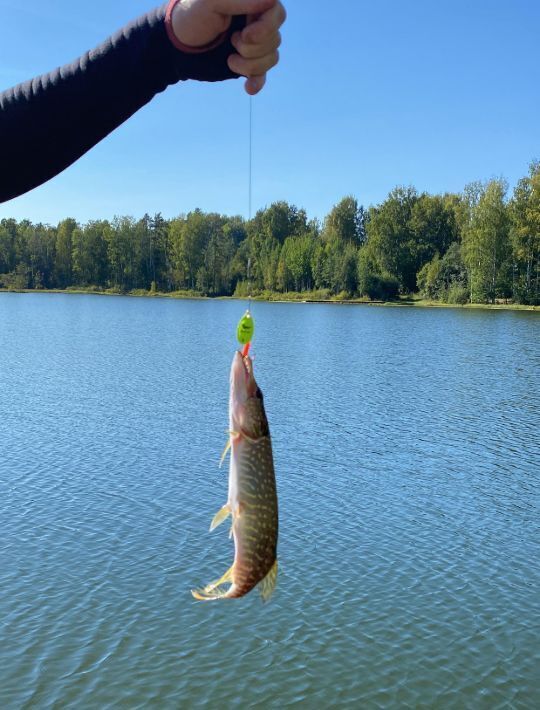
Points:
x=197 y=23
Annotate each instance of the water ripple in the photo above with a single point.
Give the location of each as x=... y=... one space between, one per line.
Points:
x=408 y=467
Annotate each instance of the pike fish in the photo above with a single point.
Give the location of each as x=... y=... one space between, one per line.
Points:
x=252 y=500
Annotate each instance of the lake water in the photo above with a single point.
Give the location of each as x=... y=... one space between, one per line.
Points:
x=408 y=464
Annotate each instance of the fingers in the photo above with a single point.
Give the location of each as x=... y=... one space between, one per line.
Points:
x=262 y=28
x=247 y=50
x=243 y=7
x=257 y=46
x=254 y=84
x=253 y=67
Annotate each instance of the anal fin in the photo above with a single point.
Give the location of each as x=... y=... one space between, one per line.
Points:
x=268 y=584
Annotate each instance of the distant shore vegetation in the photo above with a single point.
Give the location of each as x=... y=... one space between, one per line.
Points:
x=479 y=246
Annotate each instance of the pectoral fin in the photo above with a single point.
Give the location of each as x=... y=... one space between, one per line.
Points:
x=224 y=454
x=268 y=584
x=232 y=434
x=220 y=516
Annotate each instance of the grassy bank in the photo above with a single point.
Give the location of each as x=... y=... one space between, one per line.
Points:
x=321 y=296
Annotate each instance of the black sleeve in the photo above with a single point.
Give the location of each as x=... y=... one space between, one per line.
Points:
x=47 y=123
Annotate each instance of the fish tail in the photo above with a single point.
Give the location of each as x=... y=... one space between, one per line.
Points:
x=212 y=591
x=203 y=596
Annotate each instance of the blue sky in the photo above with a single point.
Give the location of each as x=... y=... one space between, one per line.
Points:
x=367 y=96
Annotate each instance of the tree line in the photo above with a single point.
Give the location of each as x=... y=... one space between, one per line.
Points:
x=477 y=246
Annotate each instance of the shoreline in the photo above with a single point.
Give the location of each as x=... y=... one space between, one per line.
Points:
x=186 y=295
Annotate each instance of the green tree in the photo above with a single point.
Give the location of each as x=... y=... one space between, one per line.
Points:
x=271 y=275
x=214 y=276
x=296 y=267
x=427 y=278
x=266 y=233
x=144 y=273
x=35 y=247
x=433 y=226
x=8 y=236
x=391 y=237
x=486 y=245
x=123 y=252
x=346 y=222
x=525 y=236
x=318 y=265
x=346 y=271
x=192 y=240
x=445 y=278
x=178 y=268
x=90 y=263
x=161 y=248
x=63 y=261
x=372 y=282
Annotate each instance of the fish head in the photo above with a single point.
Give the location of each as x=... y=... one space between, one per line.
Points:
x=246 y=407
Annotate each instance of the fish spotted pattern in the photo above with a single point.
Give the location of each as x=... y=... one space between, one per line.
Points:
x=252 y=499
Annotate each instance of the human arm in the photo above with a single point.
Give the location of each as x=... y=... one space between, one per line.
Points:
x=49 y=122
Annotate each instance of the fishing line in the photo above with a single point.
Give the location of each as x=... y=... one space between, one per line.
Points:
x=246 y=326
x=250 y=191
x=250 y=155
x=249 y=282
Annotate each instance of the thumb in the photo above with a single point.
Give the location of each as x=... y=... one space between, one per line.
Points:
x=243 y=7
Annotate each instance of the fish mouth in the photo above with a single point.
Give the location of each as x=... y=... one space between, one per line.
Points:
x=242 y=378
x=243 y=385
x=246 y=410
